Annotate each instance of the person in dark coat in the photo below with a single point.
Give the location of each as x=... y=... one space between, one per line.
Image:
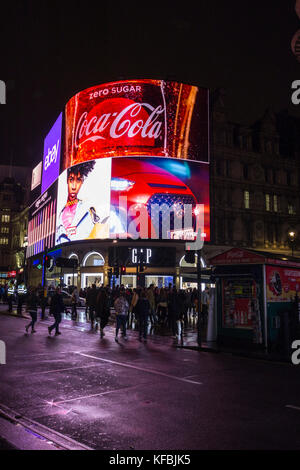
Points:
x=56 y=308
x=32 y=302
x=143 y=309
x=91 y=298
x=103 y=309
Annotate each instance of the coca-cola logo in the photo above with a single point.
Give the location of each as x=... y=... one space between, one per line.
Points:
x=120 y=119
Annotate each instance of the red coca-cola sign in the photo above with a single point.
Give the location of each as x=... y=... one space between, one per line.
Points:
x=137 y=118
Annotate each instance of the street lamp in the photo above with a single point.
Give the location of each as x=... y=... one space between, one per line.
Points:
x=292 y=236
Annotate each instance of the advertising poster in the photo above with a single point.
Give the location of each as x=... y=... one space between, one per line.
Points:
x=36 y=176
x=52 y=151
x=238 y=298
x=41 y=222
x=282 y=283
x=83 y=202
x=137 y=118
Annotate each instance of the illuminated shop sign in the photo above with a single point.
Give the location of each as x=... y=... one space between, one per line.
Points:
x=52 y=151
x=137 y=118
x=36 y=176
x=152 y=256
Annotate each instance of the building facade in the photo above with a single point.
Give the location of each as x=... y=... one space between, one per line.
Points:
x=254 y=203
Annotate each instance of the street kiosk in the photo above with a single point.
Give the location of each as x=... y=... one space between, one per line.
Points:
x=257 y=299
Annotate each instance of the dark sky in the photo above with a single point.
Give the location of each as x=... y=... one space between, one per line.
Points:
x=52 y=49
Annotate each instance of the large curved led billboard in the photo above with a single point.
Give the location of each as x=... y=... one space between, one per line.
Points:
x=135 y=164
x=137 y=118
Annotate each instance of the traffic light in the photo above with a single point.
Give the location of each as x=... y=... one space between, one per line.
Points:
x=189 y=257
x=123 y=269
x=47 y=261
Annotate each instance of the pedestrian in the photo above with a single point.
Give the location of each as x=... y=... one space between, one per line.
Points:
x=32 y=302
x=56 y=308
x=151 y=298
x=173 y=308
x=74 y=303
x=132 y=308
x=103 y=309
x=204 y=304
x=10 y=296
x=143 y=310
x=121 y=308
x=91 y=299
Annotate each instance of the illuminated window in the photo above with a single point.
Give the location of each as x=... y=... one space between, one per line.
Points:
x=4 y=229
x=275 y=203
x=5 y=218
x=3 y=241
x=291 y=209
x=246 y=199
x=267 y=196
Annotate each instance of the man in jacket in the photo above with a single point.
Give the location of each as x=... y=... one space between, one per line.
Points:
x=91 y=298
x=121 y=308
x=56 y=308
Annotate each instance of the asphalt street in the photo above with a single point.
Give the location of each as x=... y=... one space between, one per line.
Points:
x=136 y=395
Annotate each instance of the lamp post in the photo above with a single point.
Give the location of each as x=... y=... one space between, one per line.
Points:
x=292 y=236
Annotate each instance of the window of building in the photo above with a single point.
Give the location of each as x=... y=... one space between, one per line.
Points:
x=267 y=199
x=6 y=197
x=3 y=241
x=275 y=203
x=288 y=178
x=246 y=199
x=266 y=170
x=245 y=172
x=291 y=209
x=5 y=218
x=4 y=229
x=274 y=176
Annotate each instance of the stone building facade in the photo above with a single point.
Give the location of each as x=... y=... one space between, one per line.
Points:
x=254 y=181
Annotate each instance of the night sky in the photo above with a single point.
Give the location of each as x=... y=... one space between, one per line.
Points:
x=51 y=49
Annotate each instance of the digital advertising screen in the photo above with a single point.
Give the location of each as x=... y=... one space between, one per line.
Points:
x=52 y=153
x=137 y=118
x=83 y=202
x=132 y=197
x=41 y=222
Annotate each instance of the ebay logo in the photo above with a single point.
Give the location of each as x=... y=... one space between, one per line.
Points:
x=51 y=155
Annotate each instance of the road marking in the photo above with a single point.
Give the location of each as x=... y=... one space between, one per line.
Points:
x=94 y=395
x=150 y=371
x=293 y=407
x=59 y=370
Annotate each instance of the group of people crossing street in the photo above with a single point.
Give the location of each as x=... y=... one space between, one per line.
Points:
x=168 y=308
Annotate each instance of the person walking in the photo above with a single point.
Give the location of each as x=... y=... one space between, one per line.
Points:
x=91 y=298
x=32 y=302
x=10 y=296
x=56 y=308
x=74 y=303
x=132 y=308
x=103 y=309
x=143 y=310
x=121 y=307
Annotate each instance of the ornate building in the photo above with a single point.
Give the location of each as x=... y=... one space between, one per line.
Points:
x=254 y=181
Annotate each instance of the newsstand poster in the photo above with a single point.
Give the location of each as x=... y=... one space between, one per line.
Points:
x=282 y=284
